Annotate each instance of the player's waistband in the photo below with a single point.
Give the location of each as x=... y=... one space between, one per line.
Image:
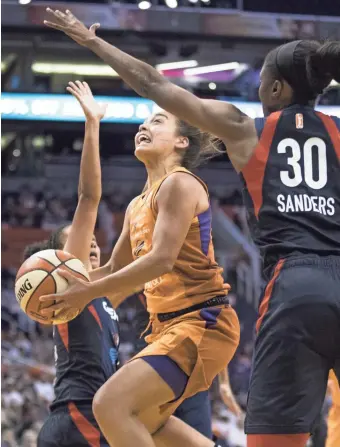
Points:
x=212 y=302
x=328 y=261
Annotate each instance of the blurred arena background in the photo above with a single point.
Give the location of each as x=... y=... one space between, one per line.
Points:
x=214 y=48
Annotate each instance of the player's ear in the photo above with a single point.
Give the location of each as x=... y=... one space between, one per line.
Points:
x=277 y=89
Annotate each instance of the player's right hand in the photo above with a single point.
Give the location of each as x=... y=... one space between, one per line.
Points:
x=82 y=92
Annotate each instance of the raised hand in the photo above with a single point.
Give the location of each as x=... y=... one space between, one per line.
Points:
x=82 y=92
x=71 y=26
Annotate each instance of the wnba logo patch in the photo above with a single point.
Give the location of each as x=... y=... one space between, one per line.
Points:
x=299 y=121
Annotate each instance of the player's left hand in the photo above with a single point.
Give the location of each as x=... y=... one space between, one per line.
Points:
x=229 y=400
x=76 y=296
x=71 y=26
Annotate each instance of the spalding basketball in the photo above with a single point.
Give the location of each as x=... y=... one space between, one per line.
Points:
x=38 y=276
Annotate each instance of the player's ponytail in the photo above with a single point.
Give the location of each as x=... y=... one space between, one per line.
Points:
x=323 y=65
x=202 y=145
x=54 y=241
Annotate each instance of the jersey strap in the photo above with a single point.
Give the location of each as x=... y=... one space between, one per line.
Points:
x=332 y=127
x=253 y=172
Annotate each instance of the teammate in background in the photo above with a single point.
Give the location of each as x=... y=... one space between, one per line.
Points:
x=333 y=435
x=196 y=410
x=289 y=164
x=86 y=348
x=165 y=244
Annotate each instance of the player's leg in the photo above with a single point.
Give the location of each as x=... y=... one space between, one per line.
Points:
x=177 y=433
x=196 y=412
x=127 y=406
x=292 y=358
x=333 y=436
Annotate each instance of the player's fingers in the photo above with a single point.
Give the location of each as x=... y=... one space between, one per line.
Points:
x=57 y=17
x=73 y=93
x=54 y=25
x=81 y=87
x=94 y=27
x=75 y=87
x=50 y=309
x=87 y=88
x=60 y=15
x=67 y=275
x=47 y=298
x=69 y=14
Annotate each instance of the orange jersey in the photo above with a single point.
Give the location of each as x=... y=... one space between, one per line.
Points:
x=196 y=276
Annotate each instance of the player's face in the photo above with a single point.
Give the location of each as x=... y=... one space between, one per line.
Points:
x=94 y=252
x=158 y=138
x=274 y=94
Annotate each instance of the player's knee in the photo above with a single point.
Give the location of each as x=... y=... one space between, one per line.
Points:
x=102 y=402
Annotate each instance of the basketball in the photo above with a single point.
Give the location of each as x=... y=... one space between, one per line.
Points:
x=38 y=276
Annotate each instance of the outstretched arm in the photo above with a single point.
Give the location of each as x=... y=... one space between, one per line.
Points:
x=219 y=118
x=90 y=189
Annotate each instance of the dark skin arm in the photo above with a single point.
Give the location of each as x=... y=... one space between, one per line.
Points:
x=219 y=118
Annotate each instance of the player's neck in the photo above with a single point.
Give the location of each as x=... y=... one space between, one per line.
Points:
x=157 y=171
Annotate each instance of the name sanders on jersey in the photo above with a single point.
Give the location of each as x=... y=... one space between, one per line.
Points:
x=302 y=202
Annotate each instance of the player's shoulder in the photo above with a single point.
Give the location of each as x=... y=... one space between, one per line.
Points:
x=179 y=184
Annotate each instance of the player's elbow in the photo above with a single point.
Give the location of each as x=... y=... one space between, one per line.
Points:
x=164 y=262
x=91 y=199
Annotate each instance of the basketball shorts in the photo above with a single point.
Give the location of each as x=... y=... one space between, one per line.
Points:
x=71 y=426
x=196 y=412
x=189 y=351
x=298 y=342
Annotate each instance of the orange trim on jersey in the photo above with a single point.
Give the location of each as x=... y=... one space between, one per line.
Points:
x=93 y=311
x=63 y=332
x=90 y=433
x=332 y=130
x=268 y=293
x=253 y=172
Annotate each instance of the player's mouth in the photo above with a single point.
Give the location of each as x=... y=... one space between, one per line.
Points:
x=93 y=256
x=143 y=138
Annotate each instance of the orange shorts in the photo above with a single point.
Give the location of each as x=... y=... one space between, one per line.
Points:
x=201 y=343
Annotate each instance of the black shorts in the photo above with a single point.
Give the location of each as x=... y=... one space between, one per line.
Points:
x=298 y=342
x=71 y=426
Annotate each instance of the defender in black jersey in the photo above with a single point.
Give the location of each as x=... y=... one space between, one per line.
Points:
x=86 y=356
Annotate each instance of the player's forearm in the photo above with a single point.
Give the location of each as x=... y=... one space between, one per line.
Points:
x=223 y=377
x=141 y=77
x=90 y=184
x=129 y=278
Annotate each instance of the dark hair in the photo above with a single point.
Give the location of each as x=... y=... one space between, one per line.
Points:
x=202 y=145
x=35 y=248
x=54 y=242
x=307 y=65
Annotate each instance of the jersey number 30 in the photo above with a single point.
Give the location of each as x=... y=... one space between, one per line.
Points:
x=294 y=162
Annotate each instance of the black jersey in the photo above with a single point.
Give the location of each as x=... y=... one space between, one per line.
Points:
x=292 y=184
x=86 y=353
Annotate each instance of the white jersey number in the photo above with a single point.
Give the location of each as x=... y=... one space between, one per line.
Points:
x=294 y=162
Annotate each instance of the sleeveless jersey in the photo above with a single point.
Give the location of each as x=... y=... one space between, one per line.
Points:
x=292 y=184
x=86 y=353
x=196 y=276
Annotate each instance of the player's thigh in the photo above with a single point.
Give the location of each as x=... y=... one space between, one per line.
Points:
x=139 y=388
x=196 y=412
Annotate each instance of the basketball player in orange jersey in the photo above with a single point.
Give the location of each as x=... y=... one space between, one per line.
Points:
x=165 y=244
x=289 y=165
x=86 y=348
x=333 y=435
